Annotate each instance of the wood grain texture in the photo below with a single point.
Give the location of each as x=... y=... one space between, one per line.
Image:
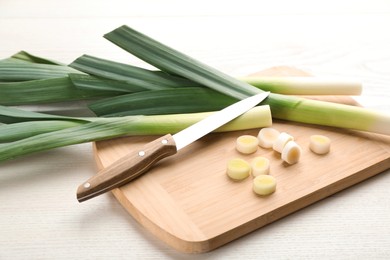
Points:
x=189 y=202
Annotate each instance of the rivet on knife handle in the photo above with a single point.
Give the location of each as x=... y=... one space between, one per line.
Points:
x=127 y=168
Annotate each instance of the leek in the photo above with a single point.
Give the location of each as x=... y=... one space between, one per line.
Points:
x=283 y=107
x=146 y=79
x=183 y=86
x=38 y=80
x=105 y=128
x=10 y=115
x=26 y=56
x=176 y=63
x=159 y=80
x=18 y=131
x=23 y=66
x=11 y=71
x=48 y=90
x=158 y=102
x=328 y=114
x=88 y=82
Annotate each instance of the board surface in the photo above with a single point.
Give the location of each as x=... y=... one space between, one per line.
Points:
x=188 y=201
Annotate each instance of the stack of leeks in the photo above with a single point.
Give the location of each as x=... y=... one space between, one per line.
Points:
x=134 y=101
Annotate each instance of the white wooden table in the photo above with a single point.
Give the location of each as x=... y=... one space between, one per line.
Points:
x=40 y=217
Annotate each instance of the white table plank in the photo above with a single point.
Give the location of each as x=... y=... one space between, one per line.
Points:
x=39 y=215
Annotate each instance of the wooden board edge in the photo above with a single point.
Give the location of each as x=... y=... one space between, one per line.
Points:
x=175 y=242
x=299 y=204
x=203 y=246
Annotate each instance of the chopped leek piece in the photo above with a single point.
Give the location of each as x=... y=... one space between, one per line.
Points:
x=264 y=185
x=238 y=169
x=319 y=144
x=291 y=152
x=260 y=166
x=281 y=141
x=267 y=137
x=247 y=144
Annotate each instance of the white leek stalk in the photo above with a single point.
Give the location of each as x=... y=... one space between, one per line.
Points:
x=306 y=85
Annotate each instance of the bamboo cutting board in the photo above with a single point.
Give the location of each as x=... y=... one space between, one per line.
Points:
x=189 y=203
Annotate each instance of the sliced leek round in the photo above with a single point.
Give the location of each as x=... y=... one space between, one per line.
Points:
x=260 y=166
x=319 y=144
x=281 y=141
x=291 y=152
x=238 y=169
x=247 y=144
x=264 y=185
x=267 y=136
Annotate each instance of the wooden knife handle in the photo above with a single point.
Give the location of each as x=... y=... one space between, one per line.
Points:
x=127 y=168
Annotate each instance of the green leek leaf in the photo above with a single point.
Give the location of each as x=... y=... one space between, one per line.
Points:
x=45 y=91
x=176 y=63
x=160 y=102
x=134 y=76
x=25 y=56
x=11 y=71
x=18 y=131
x=9 y=115
x=88 y=82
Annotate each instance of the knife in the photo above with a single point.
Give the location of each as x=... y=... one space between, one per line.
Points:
x=138 y=162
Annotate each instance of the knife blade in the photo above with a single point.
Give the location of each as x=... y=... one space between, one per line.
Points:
x=138 y=162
